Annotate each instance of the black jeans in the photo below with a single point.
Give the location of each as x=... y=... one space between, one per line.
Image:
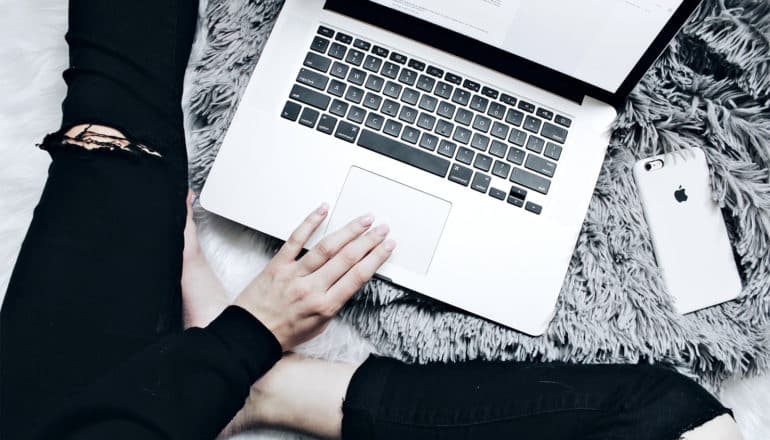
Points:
x=506 y=400
x=98 y=275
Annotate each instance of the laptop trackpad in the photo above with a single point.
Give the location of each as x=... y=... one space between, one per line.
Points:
x=416 y=219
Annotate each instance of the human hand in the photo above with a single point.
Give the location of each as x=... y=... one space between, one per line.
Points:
x=295 y=299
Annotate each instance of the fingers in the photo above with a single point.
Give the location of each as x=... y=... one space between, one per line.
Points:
x=359 y=274
x=332 y=244
x=301 y=235
x=350 y=255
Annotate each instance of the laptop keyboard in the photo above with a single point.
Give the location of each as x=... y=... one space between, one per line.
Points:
x=424 y=116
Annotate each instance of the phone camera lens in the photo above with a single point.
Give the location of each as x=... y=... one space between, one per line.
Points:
x=647 y=166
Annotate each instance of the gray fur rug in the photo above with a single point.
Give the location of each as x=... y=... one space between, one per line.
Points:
x=711 y=88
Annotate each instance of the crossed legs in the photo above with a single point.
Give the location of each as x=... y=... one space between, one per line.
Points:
x=387 y=399
x=111 y=284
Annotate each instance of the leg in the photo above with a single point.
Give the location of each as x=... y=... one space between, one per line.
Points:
x=388 y=399
x=297 y=393
x=203 y=296
x=309 y=395
x=98 y=274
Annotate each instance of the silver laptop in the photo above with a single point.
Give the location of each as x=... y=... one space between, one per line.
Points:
x=476 y=129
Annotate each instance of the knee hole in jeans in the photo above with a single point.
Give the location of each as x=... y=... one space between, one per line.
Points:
x=96 y=137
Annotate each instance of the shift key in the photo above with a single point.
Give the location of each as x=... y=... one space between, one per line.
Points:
x=309 y=97
x=530 y=180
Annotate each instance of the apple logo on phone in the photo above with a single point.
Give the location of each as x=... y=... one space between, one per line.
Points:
x=680 y=195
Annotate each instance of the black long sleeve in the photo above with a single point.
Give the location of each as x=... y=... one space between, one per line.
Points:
x=187 y=386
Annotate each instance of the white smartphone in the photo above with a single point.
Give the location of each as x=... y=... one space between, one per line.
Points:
x=688 y=232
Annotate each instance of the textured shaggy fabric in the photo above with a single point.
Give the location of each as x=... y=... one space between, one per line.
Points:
x=709 y=89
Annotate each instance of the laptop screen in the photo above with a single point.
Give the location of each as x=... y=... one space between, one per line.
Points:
x=596 y=41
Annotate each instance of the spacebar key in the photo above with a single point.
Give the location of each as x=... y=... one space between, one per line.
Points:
x=403 y=153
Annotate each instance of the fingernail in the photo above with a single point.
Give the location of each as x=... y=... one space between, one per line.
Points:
x=381 y=229
x=323 y=209
x=193 y=198
x=366 y=220
x=389 y=245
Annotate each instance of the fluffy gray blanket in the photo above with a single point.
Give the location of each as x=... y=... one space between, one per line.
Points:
x=711 y=88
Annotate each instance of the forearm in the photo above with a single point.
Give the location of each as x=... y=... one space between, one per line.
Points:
x=187 y=386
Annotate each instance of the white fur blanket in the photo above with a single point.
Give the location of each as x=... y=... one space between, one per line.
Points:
x=34 y=54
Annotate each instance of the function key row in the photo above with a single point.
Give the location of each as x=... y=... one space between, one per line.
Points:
x=325 y=31
x=398 y=58
x=452 y=78
x=416 y=65
x=435 y=71
x=361 y=44
x=380 y=51
x=489 y=92
x=343 y=38
x=472 y=85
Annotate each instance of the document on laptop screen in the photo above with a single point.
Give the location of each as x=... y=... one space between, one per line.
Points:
x=596 y=41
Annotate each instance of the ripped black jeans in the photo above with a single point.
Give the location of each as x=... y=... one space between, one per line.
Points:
x=98 y=276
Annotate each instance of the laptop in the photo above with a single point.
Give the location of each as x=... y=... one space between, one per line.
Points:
x=476 y=129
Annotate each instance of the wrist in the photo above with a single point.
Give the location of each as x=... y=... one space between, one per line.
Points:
x=260 y=315
x=246 y=336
